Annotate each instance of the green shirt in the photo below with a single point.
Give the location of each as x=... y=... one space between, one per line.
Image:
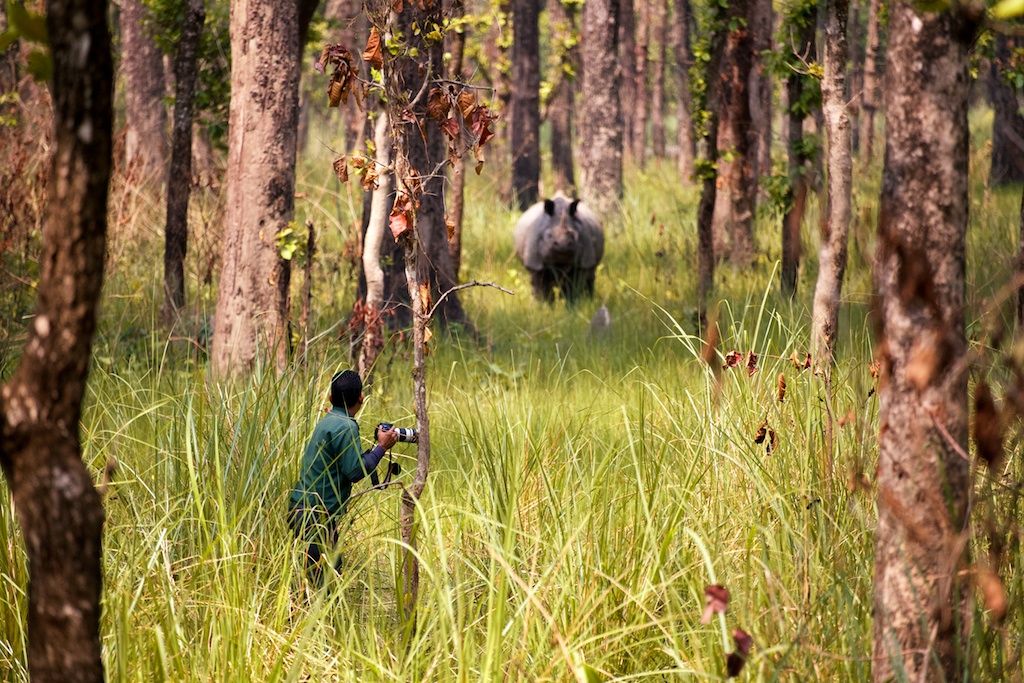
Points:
x=331 y=463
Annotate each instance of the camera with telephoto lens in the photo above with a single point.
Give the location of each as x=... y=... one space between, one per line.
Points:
x=405 y=434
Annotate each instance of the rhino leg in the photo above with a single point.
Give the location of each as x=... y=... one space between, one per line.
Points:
x=543 y=282
x=577 y=284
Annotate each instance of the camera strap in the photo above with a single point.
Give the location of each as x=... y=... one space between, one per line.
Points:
x=375 y=478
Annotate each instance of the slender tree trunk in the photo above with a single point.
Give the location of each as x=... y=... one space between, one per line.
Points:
x=799 y=171
x=59 y=510
x=380 y=208
x=855 y=83
x=626 y=16
x=923 y=481
x=144 y=87
x=637 y=122
x=525 y=102
x=870 y=95
x=456 y=47
x=252 y=302
x=1007 y=123
x=734 y=204
x=179 y=179
x=601 y=124
x=706 y=207
x=684 y=101
x=659 y=31
x=836 y=226
x=560 y=105
x=761 y=92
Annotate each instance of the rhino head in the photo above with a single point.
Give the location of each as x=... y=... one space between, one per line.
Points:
x=559 y=240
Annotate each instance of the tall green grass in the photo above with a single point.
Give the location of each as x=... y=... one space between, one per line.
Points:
x=583 y=492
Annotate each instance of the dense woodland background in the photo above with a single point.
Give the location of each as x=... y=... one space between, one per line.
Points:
x=792 y=454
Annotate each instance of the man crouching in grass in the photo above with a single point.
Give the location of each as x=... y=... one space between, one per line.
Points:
x=331 y=464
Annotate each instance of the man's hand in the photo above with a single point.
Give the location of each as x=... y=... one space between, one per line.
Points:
x=387 y=439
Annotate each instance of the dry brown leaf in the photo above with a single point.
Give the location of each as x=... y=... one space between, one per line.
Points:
x=372 y=53
x=341 y=169
x=782 y=387
x=438 y=105
x=988 y=426
x=716 y=600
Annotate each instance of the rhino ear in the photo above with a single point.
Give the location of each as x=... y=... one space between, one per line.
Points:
x=549 y=207
x=572 y=208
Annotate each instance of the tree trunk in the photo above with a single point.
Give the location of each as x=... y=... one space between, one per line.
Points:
x=706 y=207
x=1007 y=123
x=684 y=101
x=456 y=47
x=426 y=151
x=625 y=15
x=836 y=226
x=855 y=83
x=658 y=33
x=638 y=123
x=870 y=96
x=799 y=171
x=923 y=481
x=761 y=92
x=525 y=102
x=145 y=144
x=59 y=510
x=560 y=104
x=179 y=179
x=733 y=227
x=601 y=124
x=251 y=318
x=380 y=208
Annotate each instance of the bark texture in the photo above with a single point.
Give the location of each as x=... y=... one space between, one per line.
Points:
x=836 y=226
x=179 y=179
x=59 y=509
x=525 y=102
x=1007 y=123
x=145 y=143
x=560 y=109
x=601 y=123
x=251 y=318
x=923 y=483
x=685 y=139
x=734 y=204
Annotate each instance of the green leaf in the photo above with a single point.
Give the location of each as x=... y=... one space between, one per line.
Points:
x=8 y=38
x=40 y=65
x=1008 y=9
x=30 y=25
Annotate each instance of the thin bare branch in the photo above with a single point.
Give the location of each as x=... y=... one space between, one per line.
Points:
x=456 y=288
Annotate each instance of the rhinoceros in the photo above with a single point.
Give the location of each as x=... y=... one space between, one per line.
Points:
x=560 y=241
